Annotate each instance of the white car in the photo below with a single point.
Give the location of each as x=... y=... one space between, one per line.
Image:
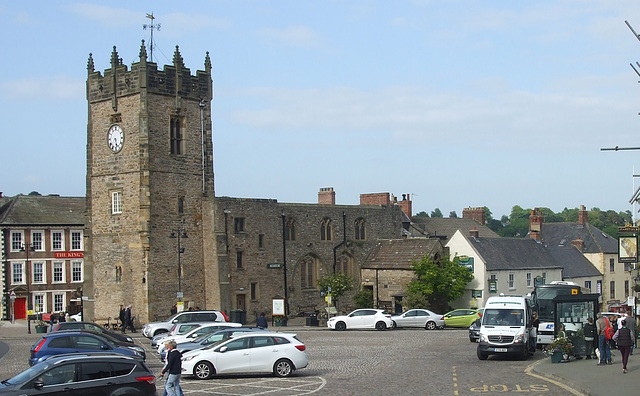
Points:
x=76 y=318
x=362 y=319
x=248 y=353
x=423 y=318
x=195 y=333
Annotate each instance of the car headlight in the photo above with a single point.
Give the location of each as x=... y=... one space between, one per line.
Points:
x=187 y=358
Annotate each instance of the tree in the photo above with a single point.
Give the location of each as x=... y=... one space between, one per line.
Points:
x=339 y=284
x=436 y=213
x=363 y=298
x=453 y=215
x=421 y=214
x=437 y=283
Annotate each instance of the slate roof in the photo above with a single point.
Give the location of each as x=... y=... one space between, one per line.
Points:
x=37 y=210
x=526 y=253
x=447 y=226
x=512 y=253
x=398 y=254
x=595 y=241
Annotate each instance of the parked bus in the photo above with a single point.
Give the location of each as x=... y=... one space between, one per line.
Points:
x=574 y=303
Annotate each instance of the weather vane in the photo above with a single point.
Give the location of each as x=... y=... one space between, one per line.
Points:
x=151 y=26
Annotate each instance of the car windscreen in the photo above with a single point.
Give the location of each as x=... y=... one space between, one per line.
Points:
x=503 y=317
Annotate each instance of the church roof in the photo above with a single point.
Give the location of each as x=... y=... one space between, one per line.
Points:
x=38 y=210
x=399 y=254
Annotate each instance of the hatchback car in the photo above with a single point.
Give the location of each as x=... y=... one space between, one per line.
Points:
x=154 y=328
x=83 y=374
x=361 y=319
x=248 y=353
x=461 y=317
x=207 y=339
x=63 y=342
x=93 y=327
x=422 y=318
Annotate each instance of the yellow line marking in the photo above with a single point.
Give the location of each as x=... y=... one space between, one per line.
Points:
x=454 y=375
x=560 y=384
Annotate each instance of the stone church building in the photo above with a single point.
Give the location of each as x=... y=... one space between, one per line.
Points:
x=156 y=233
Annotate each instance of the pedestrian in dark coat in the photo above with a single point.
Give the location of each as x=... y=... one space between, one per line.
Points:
x=262 y=322
x=128 y=320
x=121 y=317
x=624 y=337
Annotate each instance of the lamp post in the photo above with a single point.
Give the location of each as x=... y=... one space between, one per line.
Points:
x=179 y=233
x=27 y=247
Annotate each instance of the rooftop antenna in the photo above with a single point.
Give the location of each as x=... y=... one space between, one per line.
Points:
x=151 y=26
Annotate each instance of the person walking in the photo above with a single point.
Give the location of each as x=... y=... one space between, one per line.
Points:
x=261 y=322
x=121 y=317
x=128 y=320
x=624 y=337
x=589 y=338
x=603 y=344
x=174 y=368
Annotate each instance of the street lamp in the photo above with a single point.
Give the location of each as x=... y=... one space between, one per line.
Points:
x=27 y=247
x=179 y=233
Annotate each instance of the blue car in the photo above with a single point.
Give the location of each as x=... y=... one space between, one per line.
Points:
x=64 y=342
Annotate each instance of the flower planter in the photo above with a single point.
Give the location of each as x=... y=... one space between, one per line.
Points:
x=556 y=357
x=280 y=322
x=41 y=329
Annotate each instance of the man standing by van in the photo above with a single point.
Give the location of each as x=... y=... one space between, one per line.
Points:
x=603 y=344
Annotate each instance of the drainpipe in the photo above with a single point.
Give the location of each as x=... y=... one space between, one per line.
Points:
x=344 y=241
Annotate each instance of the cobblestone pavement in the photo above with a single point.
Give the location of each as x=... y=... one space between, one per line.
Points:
x=398 y=362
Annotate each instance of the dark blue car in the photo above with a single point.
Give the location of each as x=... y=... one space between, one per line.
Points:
x=58 y=343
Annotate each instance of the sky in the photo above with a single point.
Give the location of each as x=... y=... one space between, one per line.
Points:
x=458 y=103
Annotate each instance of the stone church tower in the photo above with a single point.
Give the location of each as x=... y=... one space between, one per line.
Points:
x=149 y=177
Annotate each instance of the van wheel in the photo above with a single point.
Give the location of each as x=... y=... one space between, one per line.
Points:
x=481 y=355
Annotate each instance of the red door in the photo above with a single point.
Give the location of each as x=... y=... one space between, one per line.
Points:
x=20 y=308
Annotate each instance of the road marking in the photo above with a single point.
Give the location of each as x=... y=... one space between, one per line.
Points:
x=529 y=371
x=298 y=385
x=454 y=374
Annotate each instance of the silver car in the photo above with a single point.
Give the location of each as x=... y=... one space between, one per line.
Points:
x=423 y=318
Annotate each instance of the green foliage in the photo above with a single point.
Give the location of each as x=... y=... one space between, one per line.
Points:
x=364 y=298
x=453 y=215
x=517 y=224
x=339 y=284
x=421 y=214
x=437 y=283
x=436 y=213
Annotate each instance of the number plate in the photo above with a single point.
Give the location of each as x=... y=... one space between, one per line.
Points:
x=499 y=349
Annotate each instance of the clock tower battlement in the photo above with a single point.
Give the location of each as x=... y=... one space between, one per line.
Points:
x=149 y=174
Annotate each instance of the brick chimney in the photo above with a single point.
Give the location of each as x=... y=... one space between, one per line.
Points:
x=535 y=224
x=474 y=213
x=326 y=196
x=406 y=205
x=375 y=199
x=474 y=232
x=578 y=244
x=582 y=215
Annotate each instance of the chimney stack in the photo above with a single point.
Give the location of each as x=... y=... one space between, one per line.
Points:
x=326 y=196
x=582 y=215
x=474 y=232
x=578 y=244
x=406 y=205
x=474 y=213
x=535 y=224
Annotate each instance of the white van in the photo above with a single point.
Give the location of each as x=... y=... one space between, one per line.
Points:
x=506 y=327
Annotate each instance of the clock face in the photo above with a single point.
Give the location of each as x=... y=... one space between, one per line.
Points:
x=115 y=138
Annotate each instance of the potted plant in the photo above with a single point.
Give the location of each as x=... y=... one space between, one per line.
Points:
x=41 y=326
x=560 y=349
x=280 y=320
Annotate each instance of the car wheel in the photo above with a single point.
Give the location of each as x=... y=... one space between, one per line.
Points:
x=203 y=370
x=283 y=368
x=393 y=324
x=341 y=326
x=381 y=326
x=471 y=339
x=430 y=326
x=481 y=355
